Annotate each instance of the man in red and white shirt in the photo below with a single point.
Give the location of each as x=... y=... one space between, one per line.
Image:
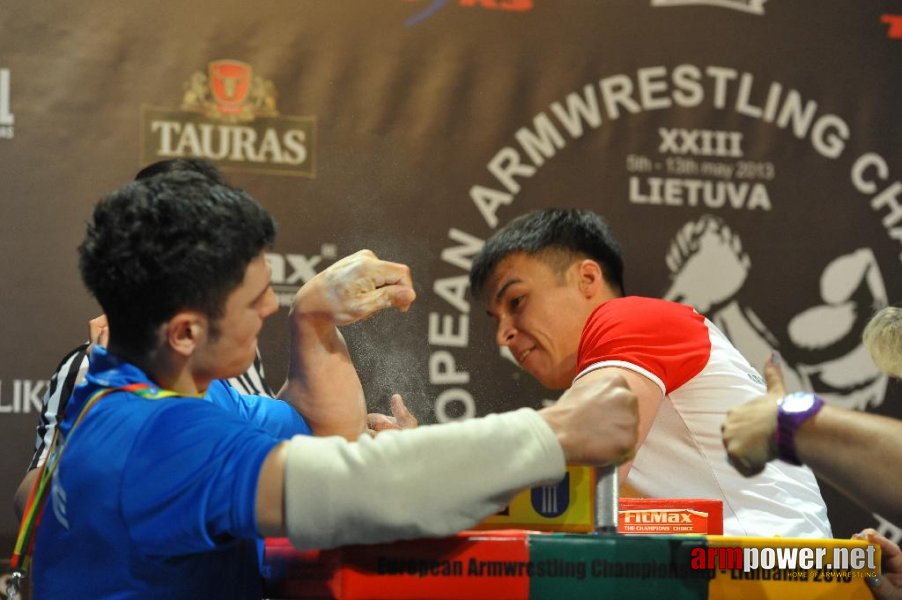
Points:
x=553 y=281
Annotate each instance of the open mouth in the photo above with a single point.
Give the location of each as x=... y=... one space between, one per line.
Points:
x=522 y=355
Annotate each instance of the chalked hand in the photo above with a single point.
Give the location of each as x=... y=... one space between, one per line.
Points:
x=355 y=288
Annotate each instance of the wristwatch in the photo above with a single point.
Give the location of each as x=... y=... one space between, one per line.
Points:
x=793 y=410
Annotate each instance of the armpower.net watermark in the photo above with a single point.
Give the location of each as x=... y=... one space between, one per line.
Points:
x=806 y=562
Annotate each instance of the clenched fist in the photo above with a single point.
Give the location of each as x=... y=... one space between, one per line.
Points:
x=596 y=421
x=355 y=288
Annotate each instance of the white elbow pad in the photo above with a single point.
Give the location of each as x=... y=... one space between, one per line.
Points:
x=430 y=481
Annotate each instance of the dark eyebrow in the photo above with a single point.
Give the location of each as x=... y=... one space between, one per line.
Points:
x=504 y=287
x=500 y=293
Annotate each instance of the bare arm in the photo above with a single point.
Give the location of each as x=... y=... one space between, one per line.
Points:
x=649 y=398
x=859 y=453
x=322 y=383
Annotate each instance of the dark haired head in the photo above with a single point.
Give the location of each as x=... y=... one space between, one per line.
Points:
x=171 y=242
x=177 y=165
x=556 y=235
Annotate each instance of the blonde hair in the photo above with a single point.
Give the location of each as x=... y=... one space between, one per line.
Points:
x=883 y=338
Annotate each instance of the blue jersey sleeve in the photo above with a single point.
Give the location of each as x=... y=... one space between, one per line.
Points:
x=275 y=417
x=190 y=480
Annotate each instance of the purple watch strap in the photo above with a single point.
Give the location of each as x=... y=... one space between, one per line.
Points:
x=793 y=410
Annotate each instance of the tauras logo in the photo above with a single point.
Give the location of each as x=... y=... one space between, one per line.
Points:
x=229 y=116
x=22 y=396
x=7 y=119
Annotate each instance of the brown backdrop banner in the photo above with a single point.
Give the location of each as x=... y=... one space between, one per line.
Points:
x=745 y=152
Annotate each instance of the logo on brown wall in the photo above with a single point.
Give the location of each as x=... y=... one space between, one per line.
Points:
x=228 y=115
x=230 y=92
x=7 y=118
x=894 y=24
x=755 y=7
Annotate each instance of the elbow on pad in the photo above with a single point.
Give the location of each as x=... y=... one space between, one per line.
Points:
x=430 y=481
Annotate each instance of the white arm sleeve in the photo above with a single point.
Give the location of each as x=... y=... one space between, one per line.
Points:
x=430 y=481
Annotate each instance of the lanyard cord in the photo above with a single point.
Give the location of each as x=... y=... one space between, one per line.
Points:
x=20 y=562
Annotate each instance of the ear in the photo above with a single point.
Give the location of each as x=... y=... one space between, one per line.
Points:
x=185 y=331
x=591 y=278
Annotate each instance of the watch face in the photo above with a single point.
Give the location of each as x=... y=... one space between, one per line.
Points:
x=797 y=402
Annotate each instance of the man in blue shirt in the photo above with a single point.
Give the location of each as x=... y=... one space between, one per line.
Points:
x=74 y=365
x=165 y=478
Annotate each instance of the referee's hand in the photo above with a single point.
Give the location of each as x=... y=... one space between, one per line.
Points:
x=98 y=332
x=750 y=430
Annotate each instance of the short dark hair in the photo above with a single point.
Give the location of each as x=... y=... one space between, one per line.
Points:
x=551 y=234
x=170 y=242
x=173 y=165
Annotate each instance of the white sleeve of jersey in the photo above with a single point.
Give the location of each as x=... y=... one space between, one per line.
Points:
x=431 y=481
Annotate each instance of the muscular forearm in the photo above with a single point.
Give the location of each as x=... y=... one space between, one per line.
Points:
x=857 y=452
x=322 y=383
x=430 y=481
x=649 y=397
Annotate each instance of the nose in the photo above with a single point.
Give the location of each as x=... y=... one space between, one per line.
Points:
x=505 y=332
